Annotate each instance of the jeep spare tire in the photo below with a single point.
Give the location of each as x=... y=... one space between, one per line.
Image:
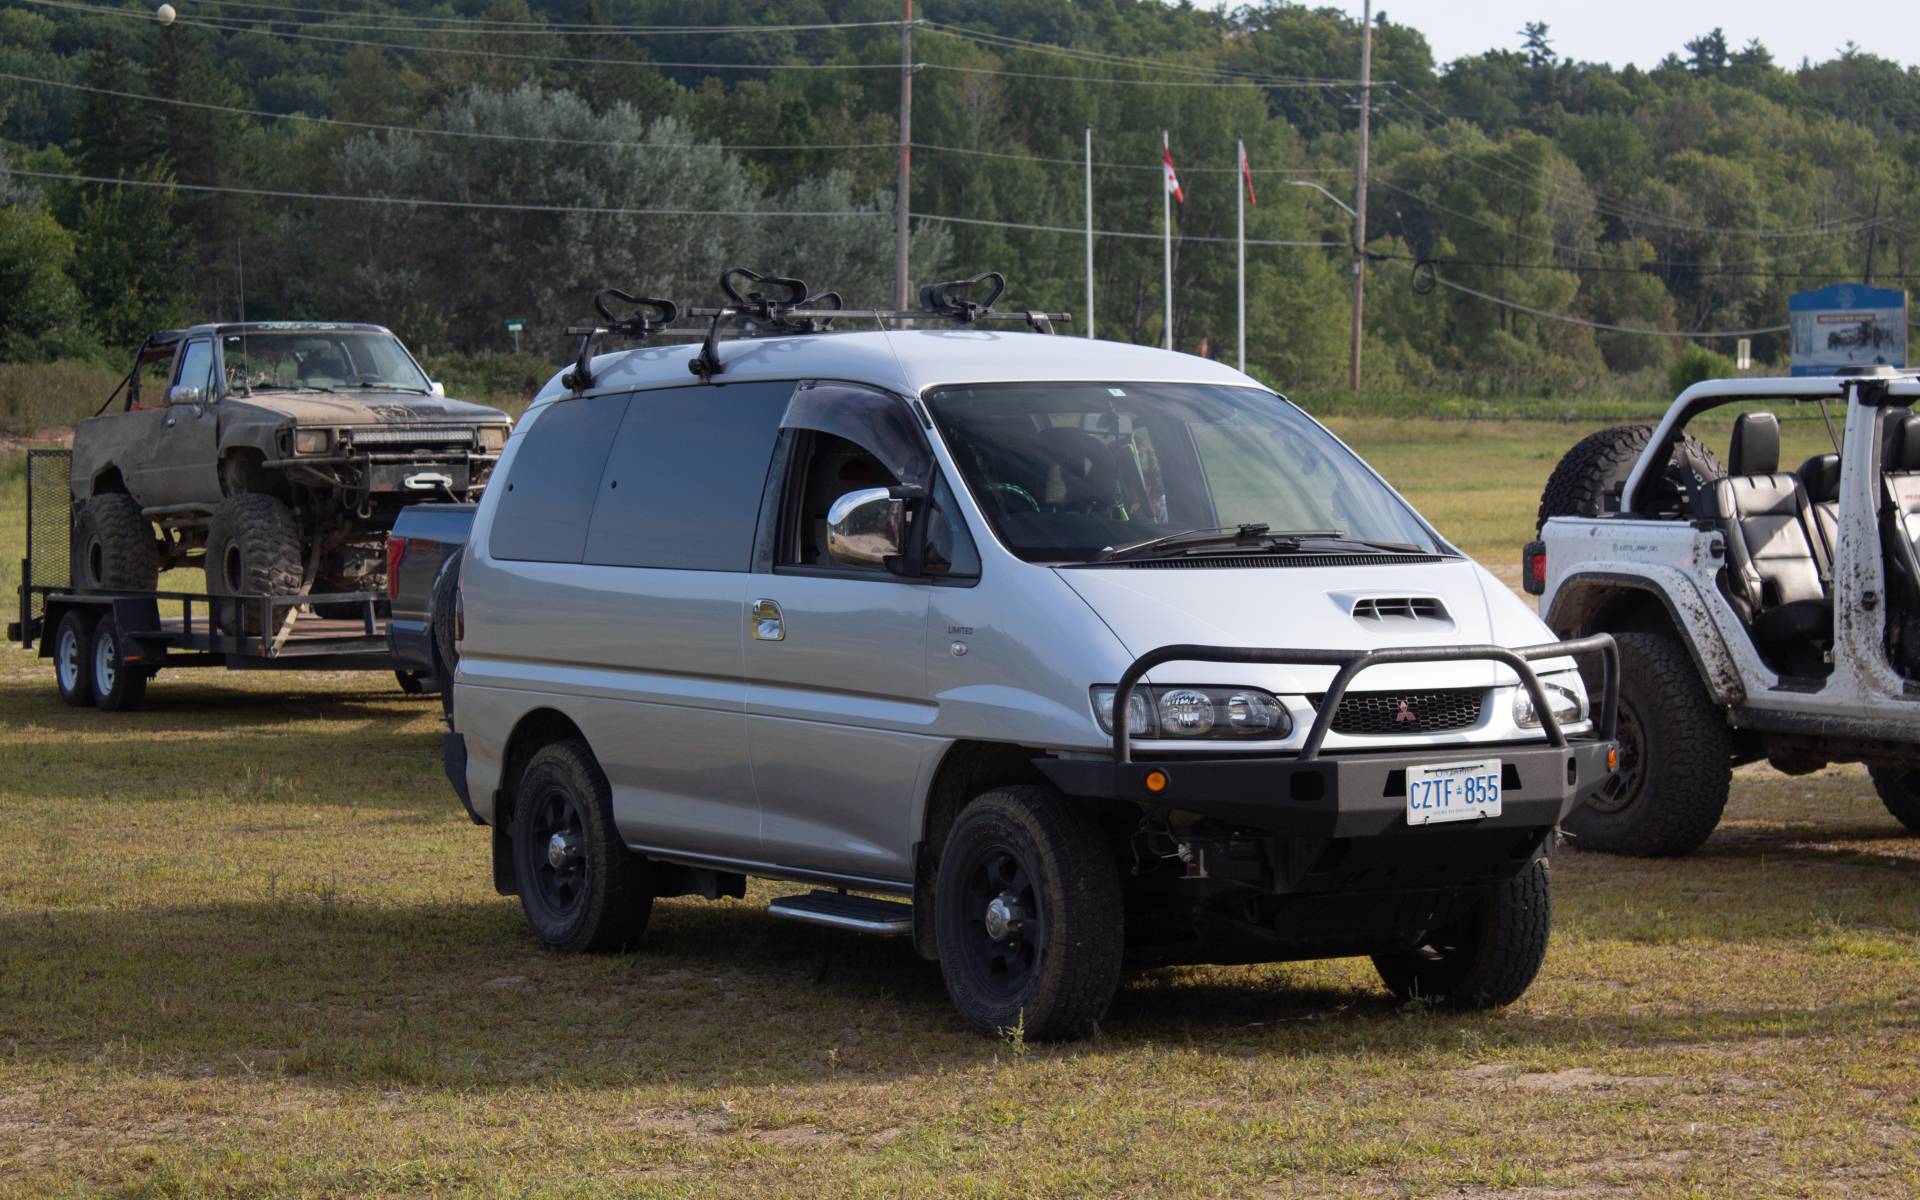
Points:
x=113 y=545
x=253 y=549
x=1588 y=479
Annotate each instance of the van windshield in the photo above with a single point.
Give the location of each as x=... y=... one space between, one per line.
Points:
x=1088 y=472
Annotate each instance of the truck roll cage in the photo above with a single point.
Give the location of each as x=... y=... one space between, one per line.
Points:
x=1353 y=662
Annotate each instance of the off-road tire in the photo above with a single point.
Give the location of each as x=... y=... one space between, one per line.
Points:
x=114 y=546
x=253 y=548
x=73 y=657
x=612 y=893
x=1676 y=756
x=1486 y=959
x=441 y=616
x=1586 y=480
x=1899 y=789
x=1067 y=955
x=117 y=685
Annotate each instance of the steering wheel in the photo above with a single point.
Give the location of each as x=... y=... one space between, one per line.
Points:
x=1015 y=489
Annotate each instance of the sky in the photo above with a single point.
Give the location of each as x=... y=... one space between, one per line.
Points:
x=1642 y=32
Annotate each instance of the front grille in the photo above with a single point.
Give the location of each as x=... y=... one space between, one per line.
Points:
x=404 y=436
x=1373 y=713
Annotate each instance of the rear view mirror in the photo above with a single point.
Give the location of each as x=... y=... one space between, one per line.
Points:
x=437 y=389
x=865 y=528
x=184 y=393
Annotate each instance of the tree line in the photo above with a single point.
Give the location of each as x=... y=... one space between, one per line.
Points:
x=1523 y=199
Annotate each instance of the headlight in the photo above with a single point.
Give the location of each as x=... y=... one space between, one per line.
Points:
x=492 y=437
x=1567 y=699
x=312 y=441
x=1197 y=712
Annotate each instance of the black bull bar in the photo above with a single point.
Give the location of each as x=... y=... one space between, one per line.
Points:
x=1358 y=793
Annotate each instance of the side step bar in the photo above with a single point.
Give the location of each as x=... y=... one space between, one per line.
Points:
x=837 y=910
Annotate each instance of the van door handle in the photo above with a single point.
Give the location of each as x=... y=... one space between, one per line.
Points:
x=769 y=625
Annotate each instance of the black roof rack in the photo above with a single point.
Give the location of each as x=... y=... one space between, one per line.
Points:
x=780 y=304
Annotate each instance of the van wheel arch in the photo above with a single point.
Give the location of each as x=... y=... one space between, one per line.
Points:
x=967 y=771
x=537 y=729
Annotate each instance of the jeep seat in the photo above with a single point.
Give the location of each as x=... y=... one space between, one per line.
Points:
x=1900 y=473
x=1820 y=480
x=1773 y=570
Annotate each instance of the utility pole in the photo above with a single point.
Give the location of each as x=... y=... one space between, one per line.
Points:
x=1360 y=190
x=1089 y=231
x=901 y=199
x=1166 y=240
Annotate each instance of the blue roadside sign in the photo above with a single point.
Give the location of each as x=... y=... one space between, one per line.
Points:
x=1847 y=325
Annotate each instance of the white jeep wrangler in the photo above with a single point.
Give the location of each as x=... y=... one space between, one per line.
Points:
x=1760 y=612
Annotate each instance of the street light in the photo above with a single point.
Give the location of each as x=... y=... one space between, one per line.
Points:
x=1359 y=271
x=1347 y=208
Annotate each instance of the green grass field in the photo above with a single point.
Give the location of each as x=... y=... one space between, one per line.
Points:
x=248 y=947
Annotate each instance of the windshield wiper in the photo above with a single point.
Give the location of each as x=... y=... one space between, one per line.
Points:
x=1249 y=536
x=390 y=387
x=1392 y=547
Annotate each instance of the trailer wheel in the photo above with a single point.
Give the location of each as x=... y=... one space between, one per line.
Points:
x=1585 y=482
x=118 y=686
x=253 y=549
x=417 y=683
x=1027 y=914
x=1899 y=790
x=1486 y=959
x=72 y=666
x=113 y=545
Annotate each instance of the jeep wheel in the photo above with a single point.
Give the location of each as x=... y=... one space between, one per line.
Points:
x=582 y=889
x=72 y=664
x=1675 y=758
x=1899 y=789
x=118 y=686
x=1027 y=914
x=1587 y=479
x=113 y=545
x=253 y=549
x=1487 y=958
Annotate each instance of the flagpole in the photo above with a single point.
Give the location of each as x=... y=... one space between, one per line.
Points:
x=1089 y=231
x=1240 y=194
x=1166 y=230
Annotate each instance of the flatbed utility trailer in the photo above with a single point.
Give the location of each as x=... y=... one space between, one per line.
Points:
x=106 y=644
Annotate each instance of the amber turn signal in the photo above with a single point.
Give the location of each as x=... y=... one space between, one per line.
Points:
x=1613 y=759
x=1156 y=781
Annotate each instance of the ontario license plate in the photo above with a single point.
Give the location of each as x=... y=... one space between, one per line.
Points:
x=1453 y=792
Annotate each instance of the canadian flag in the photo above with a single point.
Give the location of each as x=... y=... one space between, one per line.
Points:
x=1173 y=180
x=1246 y=174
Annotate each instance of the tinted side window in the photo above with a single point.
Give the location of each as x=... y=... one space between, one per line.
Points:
x=547 y=500
x=682 y=487
x=196 y=367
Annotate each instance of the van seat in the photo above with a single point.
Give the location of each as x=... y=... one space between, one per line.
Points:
x=1773 y=572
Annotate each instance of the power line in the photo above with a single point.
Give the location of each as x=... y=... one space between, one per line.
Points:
x=1080 y=231
x=477 y=26
x=1000 y=41
x=412 y=201
x=1621 y=269
x=460 y=133
x=232 y=25
x=1603 y=325
x=1212 y=83
x=1155 y=167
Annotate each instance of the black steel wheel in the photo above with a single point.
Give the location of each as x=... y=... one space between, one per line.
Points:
x=118 y=685
x=1027 y=913
x=582 y=889
x=1488 y=957
x=72 y=666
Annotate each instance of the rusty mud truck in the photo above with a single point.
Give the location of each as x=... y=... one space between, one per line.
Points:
x=275 y=454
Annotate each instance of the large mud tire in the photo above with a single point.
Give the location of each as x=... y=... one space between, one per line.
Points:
x=114 y=546
x=1486 y=959
x=1676 y=756
x=446 y=650
x=1899 y=789
x=1053 y=969
x=253 y=549
x=1587 y=480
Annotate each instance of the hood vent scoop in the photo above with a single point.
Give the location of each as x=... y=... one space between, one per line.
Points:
x=1390 y=611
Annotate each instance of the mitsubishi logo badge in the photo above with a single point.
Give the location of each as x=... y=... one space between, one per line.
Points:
x=1405 y=714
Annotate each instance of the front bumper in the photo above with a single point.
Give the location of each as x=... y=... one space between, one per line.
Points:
x=1357 y=794
x=1344 y=796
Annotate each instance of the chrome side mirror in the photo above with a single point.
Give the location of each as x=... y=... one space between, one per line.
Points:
x=866 y=528
x=183 y=393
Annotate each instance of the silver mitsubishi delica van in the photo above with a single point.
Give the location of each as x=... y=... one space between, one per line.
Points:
x=1058 y=656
